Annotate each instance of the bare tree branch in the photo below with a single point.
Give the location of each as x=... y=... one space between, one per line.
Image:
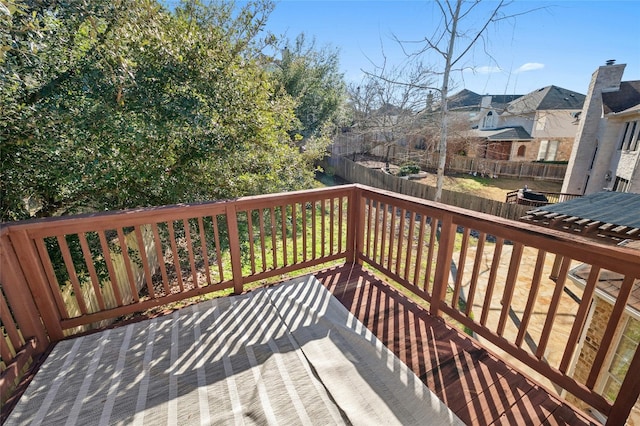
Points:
x=452 y=42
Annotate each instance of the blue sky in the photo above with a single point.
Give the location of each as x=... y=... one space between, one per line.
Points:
x=561 y=43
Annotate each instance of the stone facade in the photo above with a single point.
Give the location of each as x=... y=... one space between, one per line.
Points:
x=598 y=161
x=584 y=150
x=602 y=310
x=591 y=343
x=531 y=149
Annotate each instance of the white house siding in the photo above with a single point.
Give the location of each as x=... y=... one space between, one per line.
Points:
x=525 y=120
x=555 y=124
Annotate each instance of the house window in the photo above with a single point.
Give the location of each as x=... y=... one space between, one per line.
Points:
x=621 y=359
x=489 y=120
x=522 y=150
x=630 y=135
x=593 y=159
x=541 y=123
x=548 y=150
x=620 y=185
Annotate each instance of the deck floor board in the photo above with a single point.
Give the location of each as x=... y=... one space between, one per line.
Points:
x=478 y=387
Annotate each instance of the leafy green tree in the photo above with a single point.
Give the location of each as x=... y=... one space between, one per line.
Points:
x=311 y=76
x=116 y=104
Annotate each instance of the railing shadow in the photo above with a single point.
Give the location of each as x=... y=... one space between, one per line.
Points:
x=471 y=381
x=219 y=358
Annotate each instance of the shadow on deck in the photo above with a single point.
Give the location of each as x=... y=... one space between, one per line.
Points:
x=474 y=383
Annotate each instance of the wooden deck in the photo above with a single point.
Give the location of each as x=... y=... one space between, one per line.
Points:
x=59 y=275
x=475 y=384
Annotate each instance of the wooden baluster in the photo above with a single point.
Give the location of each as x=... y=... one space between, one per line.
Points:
x=234 y=248
x=204 y=251
x=443 y=264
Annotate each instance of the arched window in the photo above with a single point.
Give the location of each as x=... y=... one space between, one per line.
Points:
x=521 y=150
x=489 y=120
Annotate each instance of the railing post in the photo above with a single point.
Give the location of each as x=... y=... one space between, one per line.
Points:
x=37 y=282
x=234 y=248
x=19 y=297
x=355 y=225
x=446 y=241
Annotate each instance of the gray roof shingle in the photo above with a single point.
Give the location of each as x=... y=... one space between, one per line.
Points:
x=617 y=208
x=612 y=216
x=516 y=133
x=625 y=98
x=468 y=100
x=547 y=98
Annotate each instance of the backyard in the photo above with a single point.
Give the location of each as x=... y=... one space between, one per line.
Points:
x=494 y=189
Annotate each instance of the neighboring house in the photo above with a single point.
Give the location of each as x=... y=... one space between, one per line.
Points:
x=539 y=126
x=606 y=154
x=466 y=110
x=469 y=106
x=624 y=342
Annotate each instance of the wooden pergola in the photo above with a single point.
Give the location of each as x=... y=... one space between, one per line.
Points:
x=608 y=216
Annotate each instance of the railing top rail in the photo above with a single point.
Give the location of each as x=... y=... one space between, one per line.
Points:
x=137 y=216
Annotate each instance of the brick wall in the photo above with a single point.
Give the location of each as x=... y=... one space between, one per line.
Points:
x=532 y=147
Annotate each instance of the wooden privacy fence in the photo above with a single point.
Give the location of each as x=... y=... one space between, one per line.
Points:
x=400 y=155
x=356 y=173
x=225 y=245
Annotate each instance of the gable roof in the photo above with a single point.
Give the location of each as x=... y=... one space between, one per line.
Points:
x=468 y=100
x=627 y=97
x=547 y=98
x=463 y=99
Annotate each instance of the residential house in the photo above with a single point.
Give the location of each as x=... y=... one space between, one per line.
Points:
x=466 y=110
x=539 y=126
x=606 y=154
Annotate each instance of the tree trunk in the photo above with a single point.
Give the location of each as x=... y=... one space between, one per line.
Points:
x=444 y=93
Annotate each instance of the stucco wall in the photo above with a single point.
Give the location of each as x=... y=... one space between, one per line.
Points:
x=555 y=124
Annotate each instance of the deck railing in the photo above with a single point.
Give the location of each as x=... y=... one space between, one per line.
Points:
x=453 y=258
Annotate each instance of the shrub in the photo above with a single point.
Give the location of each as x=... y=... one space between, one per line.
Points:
x=409 y=169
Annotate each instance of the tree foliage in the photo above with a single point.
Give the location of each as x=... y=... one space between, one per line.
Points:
x=311 y=76
x=115 y=104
